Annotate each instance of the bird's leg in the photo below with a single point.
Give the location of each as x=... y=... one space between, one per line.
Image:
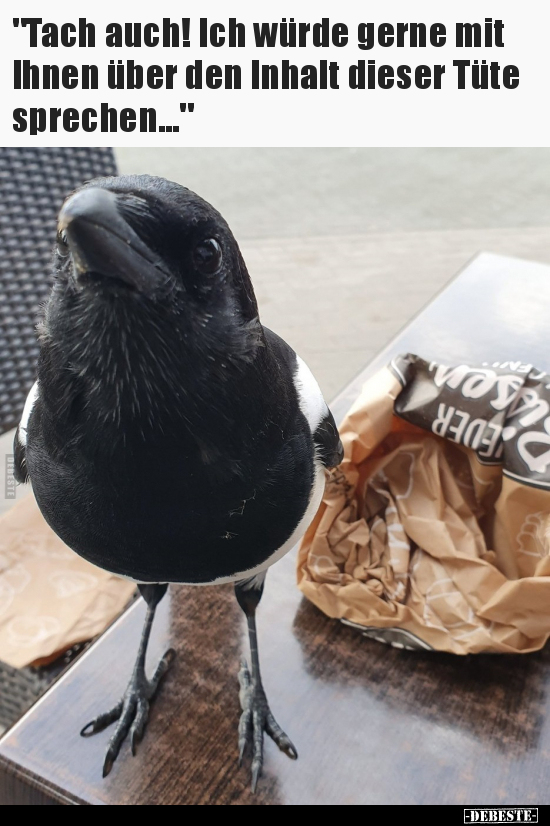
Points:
x=132 y=711
x=256 y=717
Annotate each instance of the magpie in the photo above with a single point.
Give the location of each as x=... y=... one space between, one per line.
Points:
x=170 y=437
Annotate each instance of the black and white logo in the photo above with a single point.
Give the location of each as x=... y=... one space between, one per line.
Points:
x=502 y=814
x=500 y=410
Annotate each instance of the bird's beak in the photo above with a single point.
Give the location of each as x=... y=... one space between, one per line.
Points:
x=102 y=243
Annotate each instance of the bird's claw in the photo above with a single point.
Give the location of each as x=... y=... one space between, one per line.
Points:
x=256 y=718
x=132 y=721
x=132 y=713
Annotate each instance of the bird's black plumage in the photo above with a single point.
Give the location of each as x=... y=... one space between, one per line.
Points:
x=172 y=438
x=168 y=443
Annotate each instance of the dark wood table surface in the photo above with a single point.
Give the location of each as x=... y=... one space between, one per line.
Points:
x=372 y=724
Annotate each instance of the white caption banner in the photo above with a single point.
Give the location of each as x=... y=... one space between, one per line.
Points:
x=411 y=111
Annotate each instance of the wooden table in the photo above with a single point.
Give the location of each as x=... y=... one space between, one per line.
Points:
x=372 y=724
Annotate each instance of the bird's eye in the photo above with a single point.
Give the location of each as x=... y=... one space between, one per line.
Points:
x=207 y=256
x=62 y=244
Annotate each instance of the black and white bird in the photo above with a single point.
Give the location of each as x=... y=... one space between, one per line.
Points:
x=154 y=365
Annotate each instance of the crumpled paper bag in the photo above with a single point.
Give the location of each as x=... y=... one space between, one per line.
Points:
x=434 y=533
x=50 y=598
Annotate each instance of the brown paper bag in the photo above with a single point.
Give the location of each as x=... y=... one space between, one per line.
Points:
x=434 y=533
x=50 y=598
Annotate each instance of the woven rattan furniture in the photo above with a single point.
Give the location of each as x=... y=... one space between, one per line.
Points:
x=33 y=184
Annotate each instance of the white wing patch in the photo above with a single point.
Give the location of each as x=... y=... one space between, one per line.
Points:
x=27 y=410
x=312 y=403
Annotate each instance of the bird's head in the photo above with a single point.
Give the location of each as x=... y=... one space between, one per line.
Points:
x=150 y=295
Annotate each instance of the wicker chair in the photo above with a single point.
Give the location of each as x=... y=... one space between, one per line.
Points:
x=33 y=184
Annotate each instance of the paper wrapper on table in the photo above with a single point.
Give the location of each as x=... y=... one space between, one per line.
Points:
x=50 y=598
x=434 y=533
